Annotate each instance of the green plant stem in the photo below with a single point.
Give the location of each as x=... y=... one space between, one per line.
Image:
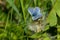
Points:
x=23 y=10
x=35 y=2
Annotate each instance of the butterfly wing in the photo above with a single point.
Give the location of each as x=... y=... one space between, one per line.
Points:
x=37 y=9
x=31 y=11
x=38 y=13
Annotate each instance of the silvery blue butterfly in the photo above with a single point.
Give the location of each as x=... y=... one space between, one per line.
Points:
x=35 y=13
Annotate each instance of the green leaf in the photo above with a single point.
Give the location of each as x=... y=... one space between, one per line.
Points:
x=47 y=38
x=46 y=27
x=11 y=3
x=53 y=2
x=36 y=35
x=58 y=28
x=57 y=7
x=45 y=35
x=13 y=36
x=21 y=1
x=3 y=35
x=52 y=19
x=58 y=37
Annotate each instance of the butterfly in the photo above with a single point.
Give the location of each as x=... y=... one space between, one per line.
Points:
x=35 y=13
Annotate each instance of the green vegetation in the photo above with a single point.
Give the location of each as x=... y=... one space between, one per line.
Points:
x=14 y=19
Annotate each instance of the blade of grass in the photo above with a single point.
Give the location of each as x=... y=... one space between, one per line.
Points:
x=23 y=10
x=11 y=3
x=35 y=2
x=7 y=21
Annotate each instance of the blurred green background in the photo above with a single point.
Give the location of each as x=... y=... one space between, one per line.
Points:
x=14 y=18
